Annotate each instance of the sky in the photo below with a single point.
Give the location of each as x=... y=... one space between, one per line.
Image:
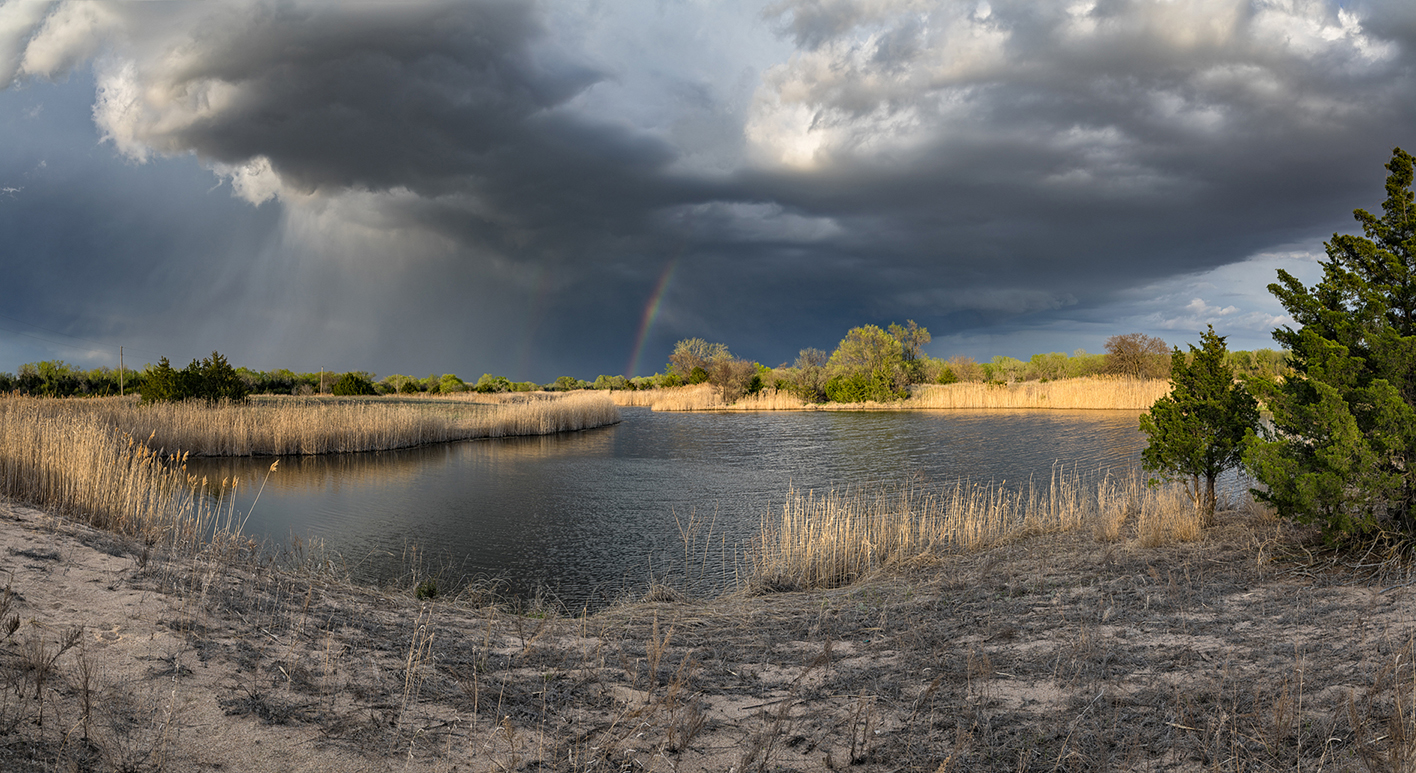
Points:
x=536 y=189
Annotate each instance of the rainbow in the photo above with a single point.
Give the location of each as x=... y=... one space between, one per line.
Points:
x=651 y=311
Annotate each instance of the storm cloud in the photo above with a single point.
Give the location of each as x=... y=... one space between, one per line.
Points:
x=502 y=186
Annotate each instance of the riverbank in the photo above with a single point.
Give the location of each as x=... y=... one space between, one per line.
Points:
x=296 y=426
x=1239 y=650
x=1091 y=393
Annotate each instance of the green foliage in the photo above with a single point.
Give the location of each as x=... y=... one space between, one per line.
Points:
x=566 y=383
x=353 y=383
x=210 y=379
x=1342 y=449
x=860 y=387
x=427 y=590
x=611 y=382
x=911 y=337
x=450 y=383
x=1197 y=431
x=868 y=364
x=489 y=384
x=214 y=379
x=1005 y=369
x=161 y=384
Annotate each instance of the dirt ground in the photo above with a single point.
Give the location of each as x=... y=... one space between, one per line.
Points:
x=1246 y=650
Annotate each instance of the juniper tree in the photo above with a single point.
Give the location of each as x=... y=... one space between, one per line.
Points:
x=1342 y=449
x=1197 y=431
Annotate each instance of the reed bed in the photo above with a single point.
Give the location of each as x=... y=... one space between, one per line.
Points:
x=296 y=427
x=638 y=398
x=77 y=466
x=1065 y=394
x=1099 y=393
x=832 y=539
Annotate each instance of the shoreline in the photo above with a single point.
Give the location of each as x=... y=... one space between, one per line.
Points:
x=1084 y=394
x=1044 y=650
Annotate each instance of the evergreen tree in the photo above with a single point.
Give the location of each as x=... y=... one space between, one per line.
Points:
x=161 y=383
x=219 y=381
x=1197 y=431
x=1342 y=450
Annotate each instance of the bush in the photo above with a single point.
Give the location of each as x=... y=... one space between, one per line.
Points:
x=353 y=383
x=860 y=387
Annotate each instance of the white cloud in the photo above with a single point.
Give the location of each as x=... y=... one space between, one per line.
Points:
x=72 y=33
x=18 y=21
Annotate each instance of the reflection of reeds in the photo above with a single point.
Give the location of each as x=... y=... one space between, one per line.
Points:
x=290 y=427
x=1071 y=393
x=828 y=540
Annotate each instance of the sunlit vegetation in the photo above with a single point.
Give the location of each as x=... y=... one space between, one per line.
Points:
x=830 y=539
x=78 y=464
x=1092 y=392
x=315 y=426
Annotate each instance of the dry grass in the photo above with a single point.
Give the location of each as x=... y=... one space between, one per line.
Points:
x=832 y=539
x=1068 y=394
x=316 y=426
x=78 y=466
x=1101 y=393
x=705 y=397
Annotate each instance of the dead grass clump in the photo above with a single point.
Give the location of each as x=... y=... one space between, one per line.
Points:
x=1167 y=515
x=1106 y=393
x=1115 y=505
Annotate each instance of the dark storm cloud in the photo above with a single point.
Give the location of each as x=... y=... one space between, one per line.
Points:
x=973 y=166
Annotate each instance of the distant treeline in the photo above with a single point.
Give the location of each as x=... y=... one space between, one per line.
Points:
x=870 y=363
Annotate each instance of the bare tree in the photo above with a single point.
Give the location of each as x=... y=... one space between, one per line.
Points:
x=693 y=354
x=1136 y=355
x=965 y=368
x=809 y=379
x=731 y=376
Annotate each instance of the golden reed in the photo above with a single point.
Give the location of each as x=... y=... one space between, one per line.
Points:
x=1064 y=394
x=77 y=466
x=832 y=539
x=311 y=426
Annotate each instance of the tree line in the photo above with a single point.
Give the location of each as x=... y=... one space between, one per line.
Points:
x=1132 y=355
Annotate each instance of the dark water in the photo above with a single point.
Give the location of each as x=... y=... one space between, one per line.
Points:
x=591 y=515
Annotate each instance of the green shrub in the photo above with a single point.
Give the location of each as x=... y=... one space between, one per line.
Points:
x=860 y=387
x=353 y=383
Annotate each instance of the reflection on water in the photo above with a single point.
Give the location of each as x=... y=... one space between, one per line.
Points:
x=591 y=514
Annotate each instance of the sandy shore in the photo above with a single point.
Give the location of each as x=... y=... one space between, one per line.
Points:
x=1239 y=652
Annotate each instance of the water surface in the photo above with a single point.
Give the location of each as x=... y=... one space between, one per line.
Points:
x=591 y=515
